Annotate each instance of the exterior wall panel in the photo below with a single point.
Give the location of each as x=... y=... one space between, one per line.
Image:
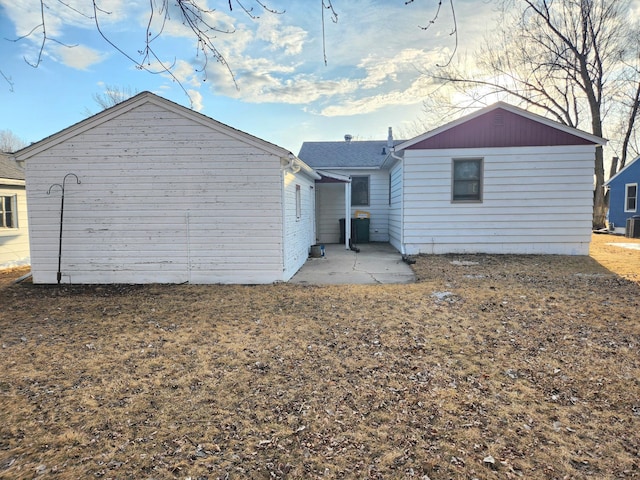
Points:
x=526 y=210
x=395 y=207
x=298 y=231
x=163 y=199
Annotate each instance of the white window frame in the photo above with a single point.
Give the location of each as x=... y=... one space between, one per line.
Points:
x=298 y=202
x=13 y=211
x=480 y=186
x=628 y=197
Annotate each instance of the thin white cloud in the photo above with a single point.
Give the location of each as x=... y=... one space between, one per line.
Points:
x=302 y=91
x=262 y=81
x=79 y=56
x=287 y=38
x=184 y=72
x=378 y=82
x=380 y=69
x=412 y=95
x=196 y=100
x=271 y=62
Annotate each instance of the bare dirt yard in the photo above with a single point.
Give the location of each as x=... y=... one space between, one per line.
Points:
x=489 y=367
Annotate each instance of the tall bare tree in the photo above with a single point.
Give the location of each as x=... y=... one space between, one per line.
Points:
x=112 y=95
x=10 y=142
x=563 y=58
x=627 y=100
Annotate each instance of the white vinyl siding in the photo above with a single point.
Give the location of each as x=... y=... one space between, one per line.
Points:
x=631 y=197
x=331 y=206
x=395 y=206
x=535 y=200
x=299 y=221
x=164 y=198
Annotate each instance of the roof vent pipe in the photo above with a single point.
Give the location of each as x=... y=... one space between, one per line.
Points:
x=347 y=138
x=390 y=138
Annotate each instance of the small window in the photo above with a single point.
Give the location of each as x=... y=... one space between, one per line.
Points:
x=467 y=180
x=298 y=202
x=9 y=212
x=631 y=197
x=359 y=191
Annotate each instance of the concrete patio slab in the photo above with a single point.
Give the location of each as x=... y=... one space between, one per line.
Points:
x=376 y=263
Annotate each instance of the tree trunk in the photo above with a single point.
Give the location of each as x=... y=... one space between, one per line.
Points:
x=635 y=106
x=600 y=206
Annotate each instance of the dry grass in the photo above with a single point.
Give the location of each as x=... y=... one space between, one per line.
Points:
x=530 y=361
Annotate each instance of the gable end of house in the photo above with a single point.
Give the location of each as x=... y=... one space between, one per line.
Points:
x=499 y=128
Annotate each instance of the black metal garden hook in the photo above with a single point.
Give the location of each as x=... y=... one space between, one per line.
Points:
x=62 y=186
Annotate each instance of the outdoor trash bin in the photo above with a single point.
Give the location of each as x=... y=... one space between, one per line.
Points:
x=359 y=230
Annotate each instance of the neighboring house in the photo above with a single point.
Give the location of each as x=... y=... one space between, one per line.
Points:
x=363 y=164
x=623 y=196
x=166 y=195
x=500 y=180
x=14 y=231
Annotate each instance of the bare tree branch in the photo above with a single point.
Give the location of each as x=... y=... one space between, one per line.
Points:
x=8 y=80
x=200 y=22
x=334 y=18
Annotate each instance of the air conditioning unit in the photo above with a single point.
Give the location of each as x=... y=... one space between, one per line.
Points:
x=633 y=227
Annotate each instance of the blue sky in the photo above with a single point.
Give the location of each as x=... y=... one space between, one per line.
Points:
x=285 y=94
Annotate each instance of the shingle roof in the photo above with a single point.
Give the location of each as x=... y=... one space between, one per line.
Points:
x=10 y=169
x=353 y=154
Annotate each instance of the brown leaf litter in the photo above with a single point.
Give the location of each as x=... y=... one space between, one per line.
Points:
x=488 y=367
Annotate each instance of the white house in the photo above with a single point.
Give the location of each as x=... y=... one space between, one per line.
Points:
x=14 y=233
x=157 y=193
x=362 y=163
x=500 y=180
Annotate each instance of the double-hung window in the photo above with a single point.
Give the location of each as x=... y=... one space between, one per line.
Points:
x=8 y=211
x=631 y=197
x=467 y=180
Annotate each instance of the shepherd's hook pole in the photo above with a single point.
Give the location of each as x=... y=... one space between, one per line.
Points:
x=64 y=181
